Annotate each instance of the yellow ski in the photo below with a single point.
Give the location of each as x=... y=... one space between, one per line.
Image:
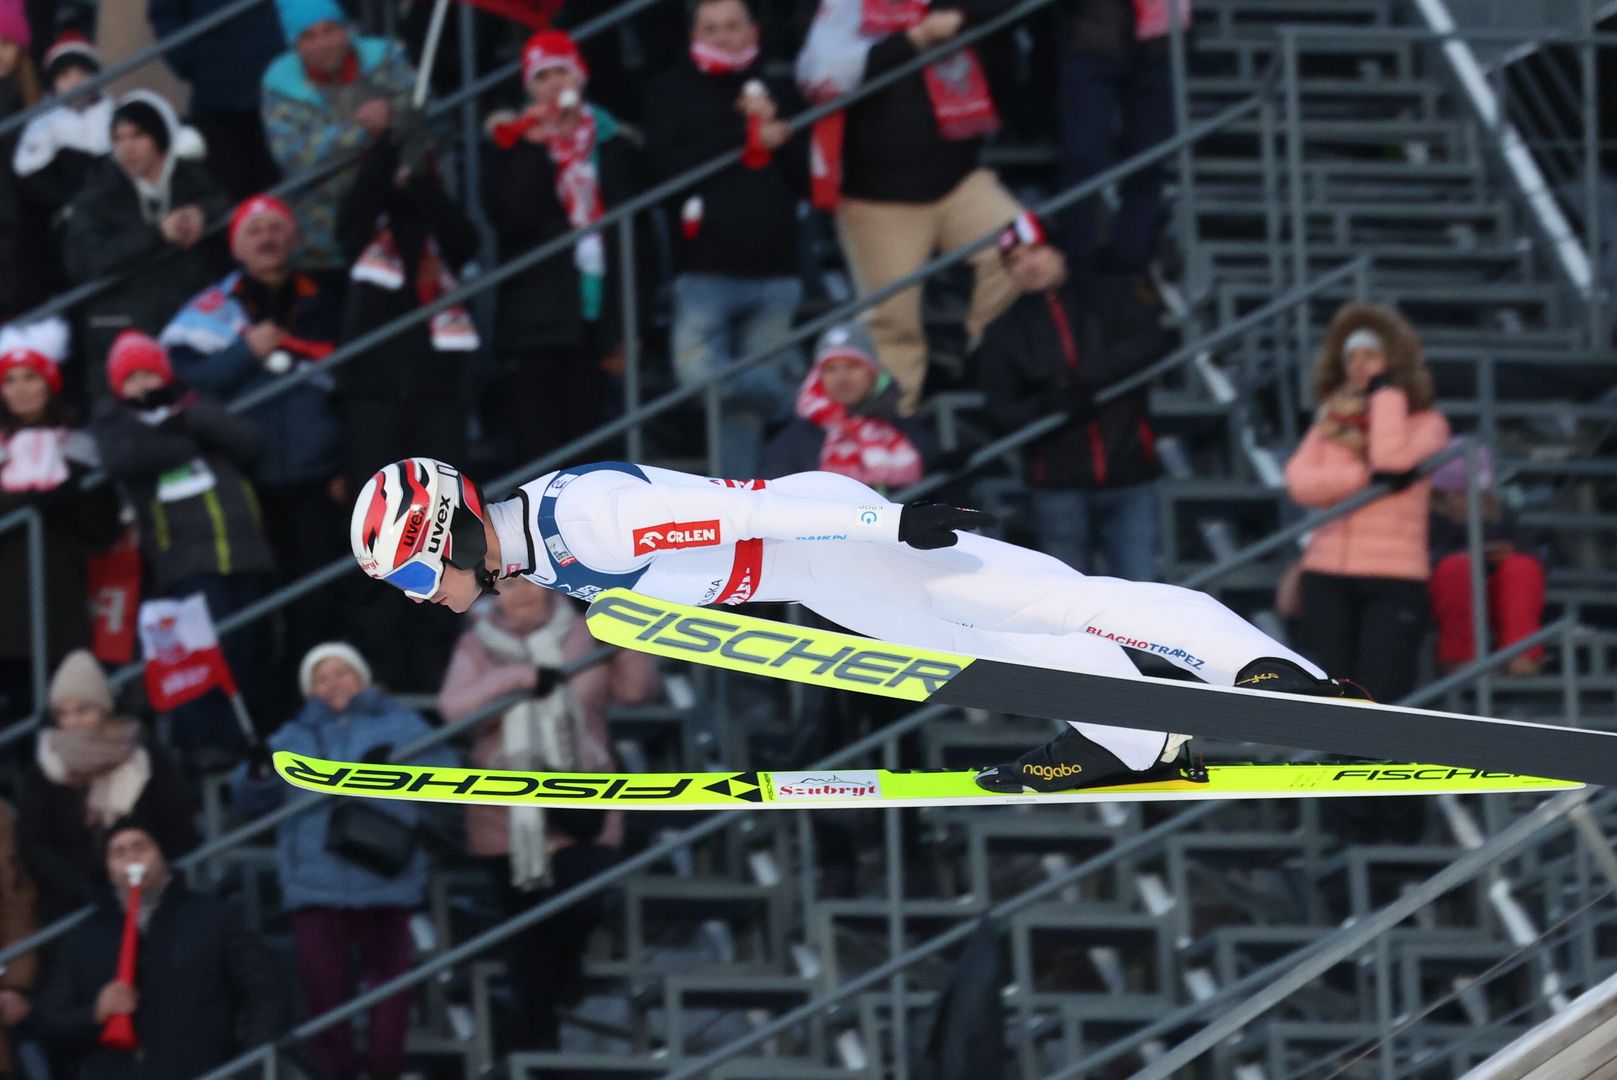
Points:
x=845 y=789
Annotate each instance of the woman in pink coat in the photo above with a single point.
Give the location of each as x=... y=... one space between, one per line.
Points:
x=1364 y=574
x=518 y=642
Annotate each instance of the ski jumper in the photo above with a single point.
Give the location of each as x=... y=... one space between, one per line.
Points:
x=831 y=544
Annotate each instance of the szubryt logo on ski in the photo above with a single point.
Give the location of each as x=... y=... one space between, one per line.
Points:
x=853 y=784
x=740 y=643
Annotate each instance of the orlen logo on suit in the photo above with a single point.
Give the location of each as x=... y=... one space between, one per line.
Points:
x=673 y=535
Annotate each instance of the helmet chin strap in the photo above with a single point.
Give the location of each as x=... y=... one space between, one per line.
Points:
x=486 y=581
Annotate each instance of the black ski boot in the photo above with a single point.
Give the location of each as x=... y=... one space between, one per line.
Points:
x=1286 y=677
x=1069 y=761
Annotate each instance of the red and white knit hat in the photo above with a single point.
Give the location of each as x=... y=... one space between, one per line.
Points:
x=552 y=48
x=134 y=351
x=34 y=361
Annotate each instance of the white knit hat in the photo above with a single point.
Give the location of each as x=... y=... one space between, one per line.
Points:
x=327 y=650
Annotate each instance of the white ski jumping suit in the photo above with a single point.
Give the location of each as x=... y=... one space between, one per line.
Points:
x=831 y=544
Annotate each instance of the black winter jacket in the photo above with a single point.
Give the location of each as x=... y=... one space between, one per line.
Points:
x=207 y=987
x=542 y=306
x=104 y=233
x=406 y=368
x=1030 y=357
x=217 y=531
x=749 y=216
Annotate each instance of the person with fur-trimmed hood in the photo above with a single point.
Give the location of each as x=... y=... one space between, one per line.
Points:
x=145 y=206
x=1364 y=574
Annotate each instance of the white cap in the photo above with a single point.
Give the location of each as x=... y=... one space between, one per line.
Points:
x=328 y=650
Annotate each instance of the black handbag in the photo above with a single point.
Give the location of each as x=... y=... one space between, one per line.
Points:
x=370 y=838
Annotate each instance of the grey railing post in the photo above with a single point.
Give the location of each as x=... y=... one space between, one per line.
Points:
x=39 y=655
x=1477 y=555
x=636 y=439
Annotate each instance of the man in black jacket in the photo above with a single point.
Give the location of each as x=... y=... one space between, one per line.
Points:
x=1061 y=343
x=204 y=987
x=738 y=285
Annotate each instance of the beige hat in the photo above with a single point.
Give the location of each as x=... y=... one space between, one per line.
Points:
x=328 y=650
x=80 y=678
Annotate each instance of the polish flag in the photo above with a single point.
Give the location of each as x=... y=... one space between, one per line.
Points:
x=183 y=658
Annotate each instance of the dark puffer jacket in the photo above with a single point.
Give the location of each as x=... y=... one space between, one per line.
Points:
x=1094 y=334
x=215 y=530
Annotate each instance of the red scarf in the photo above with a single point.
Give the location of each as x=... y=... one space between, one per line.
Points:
x=714 y=61
x=867 y=448
x=577 y=185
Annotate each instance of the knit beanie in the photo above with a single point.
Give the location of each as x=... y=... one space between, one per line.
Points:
x=257 y=206
x=298 y=15
x=134 y=351
x=847 y=339
x=129 y=821
x=14 y=24
x=552 y=48
x=339 y=650
x=35 y=361
x=80 y=678
x=72 y=49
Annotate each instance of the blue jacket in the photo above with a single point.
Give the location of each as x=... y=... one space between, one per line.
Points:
x=206 y=347
x=311 y=877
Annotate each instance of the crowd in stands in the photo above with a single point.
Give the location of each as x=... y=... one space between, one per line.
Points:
x=209 y=287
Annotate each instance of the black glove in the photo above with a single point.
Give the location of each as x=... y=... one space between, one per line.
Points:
x=549 y=679
x=1397 y=480
x=259 y=762
x=1080 y=402
x=1377 y=382
x=930 y=525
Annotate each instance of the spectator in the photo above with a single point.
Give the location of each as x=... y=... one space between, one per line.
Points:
x=330 y=96
x=341 y=888
x=1515 y=577
x=1116 y=101
x=44 y=457
x=406 y=239
x=225 y=67
x=53 y=158
x=241 y=336
x=181 y=457
x=555 y=167
x=18 y=920
x=1092 y=480
x=908 y=155
x=20 y=234
x=205 y=987
x=847 y=419
x=91 y=767
x=517 y=643
x=146 y=206
x=738 y=285
x=1364 y=574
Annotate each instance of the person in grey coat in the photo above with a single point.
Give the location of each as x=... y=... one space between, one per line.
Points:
x=340 y=892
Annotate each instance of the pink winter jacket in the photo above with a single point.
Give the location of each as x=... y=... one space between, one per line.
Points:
x=476 y=677
x=1387 y=537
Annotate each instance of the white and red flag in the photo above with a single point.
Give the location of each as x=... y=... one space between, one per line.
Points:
x=183 y=658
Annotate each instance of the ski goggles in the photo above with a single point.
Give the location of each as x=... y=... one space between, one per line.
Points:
x=418 y=576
